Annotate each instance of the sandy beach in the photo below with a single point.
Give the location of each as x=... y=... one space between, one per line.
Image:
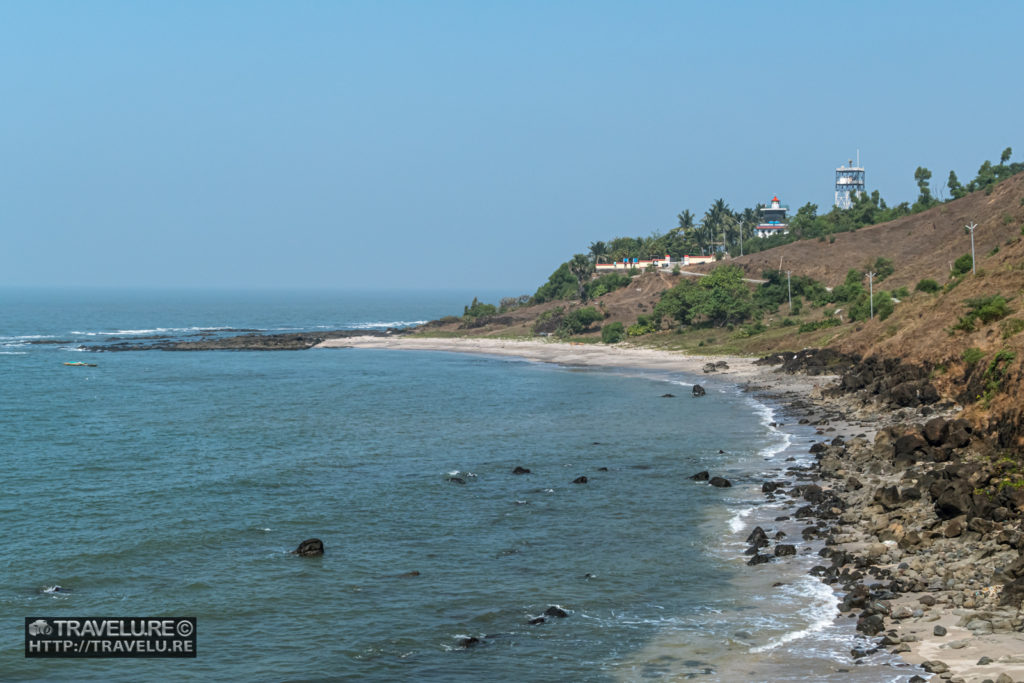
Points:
x=980 y=642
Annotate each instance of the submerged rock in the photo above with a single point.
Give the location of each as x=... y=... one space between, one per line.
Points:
x=580 y=480
x=520 y=470
x=701 y=476
x=556 y=611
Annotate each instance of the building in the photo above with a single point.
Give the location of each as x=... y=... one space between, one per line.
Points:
x=664 y=263
x=773 y=220
x=849 y=182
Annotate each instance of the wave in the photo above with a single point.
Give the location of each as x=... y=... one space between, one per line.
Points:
x=152 y=330
x=13 y=353
x=820 y=613
x=26 y=337
x=384 y=325
x=736 y=523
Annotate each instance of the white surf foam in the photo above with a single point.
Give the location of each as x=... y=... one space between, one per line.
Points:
x=13 y=353
x=151 y=330
x=819 y=614
x=736 y=523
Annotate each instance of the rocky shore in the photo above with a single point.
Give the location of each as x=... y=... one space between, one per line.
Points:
x=252 y=341
x=920 y=516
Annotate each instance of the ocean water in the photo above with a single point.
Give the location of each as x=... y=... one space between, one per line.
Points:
x=162 y=483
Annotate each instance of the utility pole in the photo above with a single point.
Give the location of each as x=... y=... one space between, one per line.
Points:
x=789 y=287
x=871 y=293
x=970 y=228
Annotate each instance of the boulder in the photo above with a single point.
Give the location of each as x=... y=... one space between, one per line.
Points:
x=758 y=559
x=520 y=470
x=935 y=431
x=709 y=367
x=701 y=476
x=721 y=365
x=720 y=482
x=580 y=480
x=556 y=611
x=758 y=538
x=668 y=395
x=311 y=547
x=698 y=391
x=783 y=549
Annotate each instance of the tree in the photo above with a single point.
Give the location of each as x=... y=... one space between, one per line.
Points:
x=922 y=175
x=597 y=250
x=1005 y=156
x=956 y=190
x=581 y=267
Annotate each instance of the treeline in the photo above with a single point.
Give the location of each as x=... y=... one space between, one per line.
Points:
x=722 y=230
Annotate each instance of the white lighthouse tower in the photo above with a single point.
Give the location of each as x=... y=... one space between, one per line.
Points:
x=849 y=181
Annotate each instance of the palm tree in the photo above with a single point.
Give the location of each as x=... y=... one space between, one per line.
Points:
x=597 y=250
x=581 y=267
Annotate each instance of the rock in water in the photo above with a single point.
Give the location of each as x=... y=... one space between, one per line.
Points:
x=701 y=476
x=668 y=395
x=311 y=547
x=698 y=390
x=556 y=611
x=580 y=480
x=520 y=470
x=783 y=549
x=720 y=482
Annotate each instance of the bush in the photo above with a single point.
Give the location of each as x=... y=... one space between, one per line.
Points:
x=883 y=268
x=788 y=322
x=751 y=330
x=962 y=265
x=1011 y=327
x=986 y=309
x=972 y=355
x=644 y=325
x=903 y=292
x=612 y=333
x=819 y=324
x=579 y=320
x=608 y=282
x=478 y=309
x=926 y=285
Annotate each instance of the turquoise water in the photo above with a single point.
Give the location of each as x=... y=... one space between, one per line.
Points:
x=164 y=483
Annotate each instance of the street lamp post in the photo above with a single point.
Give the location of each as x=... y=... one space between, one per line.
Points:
x=970 y=228
x=789 y=287
x=871 y=293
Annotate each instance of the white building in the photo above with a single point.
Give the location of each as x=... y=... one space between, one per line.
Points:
x=773 y=220
x=663 y=263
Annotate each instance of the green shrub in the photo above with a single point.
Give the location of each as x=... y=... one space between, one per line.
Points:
x=986 y=309
x=751 y=330
x=612 y=333
x=995 y=373
x=962 y=265
x=1011 y=327
x=972 y=355
x=788 y=322
x=926 y=285
x=478 y=309
x=902 y=292
x=883 y=268
x=578 y=321
x=819 y=324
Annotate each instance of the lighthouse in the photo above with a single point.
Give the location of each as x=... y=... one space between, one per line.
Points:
x=773 y=220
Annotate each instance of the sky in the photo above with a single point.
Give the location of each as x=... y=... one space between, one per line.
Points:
x=457 y=145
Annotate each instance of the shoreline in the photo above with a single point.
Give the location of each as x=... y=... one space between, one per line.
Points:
x=930 y=617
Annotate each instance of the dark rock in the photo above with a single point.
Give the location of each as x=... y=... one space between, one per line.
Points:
x=709 y=367
x=409 y=575
x=668 y=395
x=467 y=643
x=772 y=486
x=580 y=480
x=927 y=600
x=934 y=666
x=935 y=431
x=311 y=547
x=783 y=549
x=520 y=470
x=537 y=620
x=758 y=559
x=698 y=390
x=758 y=537
x=985 y=661
x=721 y=365
x=456 y=480
x=720 y=482
x=909 y=445
x=889 y=497
x=602 y=469
x=556 y=611
x=701 y=476
x=871 y=625
x=939 y=630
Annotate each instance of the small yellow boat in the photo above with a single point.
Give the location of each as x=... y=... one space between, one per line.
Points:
x=81 y=364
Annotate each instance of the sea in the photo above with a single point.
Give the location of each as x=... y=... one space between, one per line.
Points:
x=160 y=484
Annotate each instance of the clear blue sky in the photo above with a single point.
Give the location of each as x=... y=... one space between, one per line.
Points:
x=436 y=144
